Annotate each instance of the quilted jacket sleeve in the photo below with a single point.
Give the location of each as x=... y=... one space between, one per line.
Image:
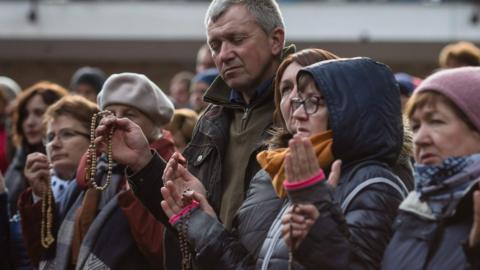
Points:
x=215 y=248
x=355 y=240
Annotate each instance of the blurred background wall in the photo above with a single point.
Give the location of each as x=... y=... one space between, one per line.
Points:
x=42 y=39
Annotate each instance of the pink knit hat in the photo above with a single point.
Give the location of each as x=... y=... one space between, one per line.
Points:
x=461 y=86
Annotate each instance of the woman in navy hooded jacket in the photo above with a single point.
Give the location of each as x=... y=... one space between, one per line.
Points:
x=350 y=110
x=438 y=225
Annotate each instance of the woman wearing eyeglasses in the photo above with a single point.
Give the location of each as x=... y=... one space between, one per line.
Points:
x=66 y=139
x=66 y=125
x=358 y=103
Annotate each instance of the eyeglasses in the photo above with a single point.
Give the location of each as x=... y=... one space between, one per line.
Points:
x=63 y=135
x=310 y=105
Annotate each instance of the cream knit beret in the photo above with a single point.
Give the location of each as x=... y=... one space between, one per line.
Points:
x=137 y=91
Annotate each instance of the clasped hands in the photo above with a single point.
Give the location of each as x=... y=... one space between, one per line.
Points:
x=181 y=187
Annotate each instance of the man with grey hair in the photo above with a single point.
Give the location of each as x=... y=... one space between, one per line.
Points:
x=246 y=40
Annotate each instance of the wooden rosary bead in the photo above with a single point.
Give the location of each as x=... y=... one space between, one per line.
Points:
x=91 y=168
x=46 y=237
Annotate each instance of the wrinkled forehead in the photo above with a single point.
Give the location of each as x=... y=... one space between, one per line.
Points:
x=236 y=19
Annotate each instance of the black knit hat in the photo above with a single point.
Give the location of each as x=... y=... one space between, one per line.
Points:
x=90 y=76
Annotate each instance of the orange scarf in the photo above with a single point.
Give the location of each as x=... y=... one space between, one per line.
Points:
x=273 y=161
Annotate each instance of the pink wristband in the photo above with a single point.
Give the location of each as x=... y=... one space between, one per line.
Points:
x=305 y=183
x=173 y=219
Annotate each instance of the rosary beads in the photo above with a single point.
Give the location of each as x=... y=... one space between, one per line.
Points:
x=91 y=168
x=183 y=234
x=182 y=238
x=46 y=237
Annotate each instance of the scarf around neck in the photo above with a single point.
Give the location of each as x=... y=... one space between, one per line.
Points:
x=273 y=161
x=443 y=186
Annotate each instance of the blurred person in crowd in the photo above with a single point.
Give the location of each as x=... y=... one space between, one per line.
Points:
x=407 y=83
x=204 y=59
x=459 y=54
x=180 y=89
x=6 y=258
x=87 y=82
x=28 y=112
x=9 y=90
x=200 y=84
x=30 y=106
x=181 y=127
x=4 y=132
x=340 y=237
x=246 y=39
x=438 y=225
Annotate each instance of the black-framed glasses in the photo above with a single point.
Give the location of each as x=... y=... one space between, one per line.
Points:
x=310 y=105
x=63 y=135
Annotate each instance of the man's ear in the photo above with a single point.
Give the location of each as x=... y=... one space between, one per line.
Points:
x=277 y=40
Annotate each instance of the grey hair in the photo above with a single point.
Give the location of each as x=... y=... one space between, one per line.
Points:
x=266 y=12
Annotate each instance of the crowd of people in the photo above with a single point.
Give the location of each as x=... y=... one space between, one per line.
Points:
x=265 y=158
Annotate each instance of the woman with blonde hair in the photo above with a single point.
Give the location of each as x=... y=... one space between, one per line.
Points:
x=181 y=127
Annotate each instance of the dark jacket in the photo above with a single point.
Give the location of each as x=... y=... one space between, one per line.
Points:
x=14 y=179
x=419 y=243
x=5 y=258
x=205 y=154
x=423 y=241
x=364 y=114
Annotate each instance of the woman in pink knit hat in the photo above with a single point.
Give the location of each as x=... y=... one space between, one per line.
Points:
x=438 y=225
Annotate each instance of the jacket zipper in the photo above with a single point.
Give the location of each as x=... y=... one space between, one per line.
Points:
x=246 y=111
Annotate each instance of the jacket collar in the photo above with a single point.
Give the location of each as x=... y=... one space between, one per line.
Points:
x=413 y=204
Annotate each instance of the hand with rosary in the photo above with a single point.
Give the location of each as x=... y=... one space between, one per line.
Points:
x=37 y=173
x=177 y=194
x=176 y=172
x=180 y=188
x=128 y=143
